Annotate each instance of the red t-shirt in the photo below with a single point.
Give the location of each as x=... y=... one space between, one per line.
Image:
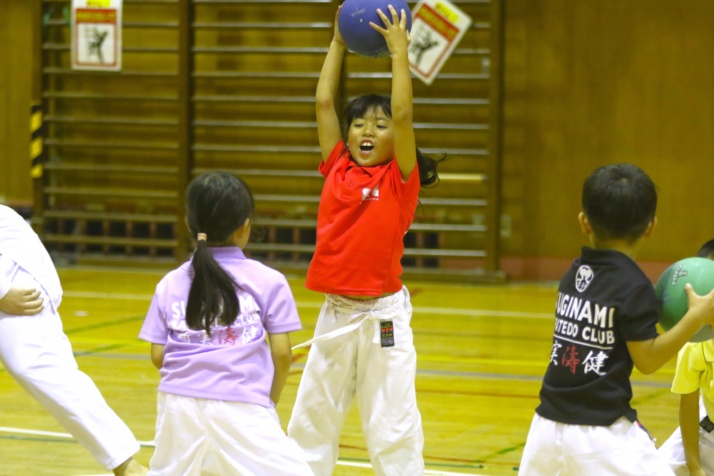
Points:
x=363 y=216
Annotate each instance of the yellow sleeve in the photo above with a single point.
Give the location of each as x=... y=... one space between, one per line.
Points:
x=690 y=367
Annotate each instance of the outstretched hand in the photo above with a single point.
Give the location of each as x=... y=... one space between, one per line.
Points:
x=21 y=302
x=702 y=304
x=395 y=31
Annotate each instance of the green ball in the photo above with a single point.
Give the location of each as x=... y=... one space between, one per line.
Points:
x=699 y=272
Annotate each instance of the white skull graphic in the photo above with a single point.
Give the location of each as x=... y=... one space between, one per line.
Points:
x=583 y=278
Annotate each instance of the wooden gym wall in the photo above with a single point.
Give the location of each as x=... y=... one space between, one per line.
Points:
x=586 y=83
x=15 y=97
x=229 y=85
x=596 y=82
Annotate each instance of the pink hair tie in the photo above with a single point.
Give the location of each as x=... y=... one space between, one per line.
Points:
x=201 y=237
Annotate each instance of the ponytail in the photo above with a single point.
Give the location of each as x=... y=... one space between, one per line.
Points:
x=427 y=169
x=217 y=204
x=212 y=297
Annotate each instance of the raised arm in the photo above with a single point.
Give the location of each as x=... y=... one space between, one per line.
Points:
x=397 y=37
x=328 y=123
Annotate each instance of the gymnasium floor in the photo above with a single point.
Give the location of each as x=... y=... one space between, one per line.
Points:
x=482 y=351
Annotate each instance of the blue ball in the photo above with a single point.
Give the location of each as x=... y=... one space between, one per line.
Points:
x=353 y=23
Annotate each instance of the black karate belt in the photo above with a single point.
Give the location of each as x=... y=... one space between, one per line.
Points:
x=707 y=424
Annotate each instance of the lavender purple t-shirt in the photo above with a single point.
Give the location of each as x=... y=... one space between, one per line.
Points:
x=234 y=362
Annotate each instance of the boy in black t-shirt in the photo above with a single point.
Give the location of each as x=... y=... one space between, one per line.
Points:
x=605 y=319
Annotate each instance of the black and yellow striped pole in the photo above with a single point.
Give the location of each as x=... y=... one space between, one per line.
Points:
x=37 y=149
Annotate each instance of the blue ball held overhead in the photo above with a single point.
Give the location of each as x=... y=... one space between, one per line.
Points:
x=699 y=272
x=353 y=23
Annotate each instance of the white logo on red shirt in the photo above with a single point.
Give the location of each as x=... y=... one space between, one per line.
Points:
x=370 y=194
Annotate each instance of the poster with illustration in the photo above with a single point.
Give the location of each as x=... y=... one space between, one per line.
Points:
x=437 y=27
x=96 y=35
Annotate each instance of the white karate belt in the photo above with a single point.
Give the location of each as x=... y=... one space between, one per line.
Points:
x=360 y=317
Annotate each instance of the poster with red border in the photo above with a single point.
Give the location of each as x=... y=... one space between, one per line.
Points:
x=437 y=27
x=96 y=35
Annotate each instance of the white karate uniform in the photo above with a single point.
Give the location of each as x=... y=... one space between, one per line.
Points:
x=37 y=354
x=197 y=436
x=672 y=450
x=347 y=358
x=623 y=448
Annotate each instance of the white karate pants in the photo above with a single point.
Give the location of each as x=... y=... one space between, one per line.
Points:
x=37 y=354
x=197 y=436
x=355 y=363
x=672 y=450
x=621 y=449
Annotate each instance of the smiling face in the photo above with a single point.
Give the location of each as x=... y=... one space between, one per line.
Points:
x=370 y=138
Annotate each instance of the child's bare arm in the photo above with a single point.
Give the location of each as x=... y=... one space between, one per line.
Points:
x=328 y=123
x=397 y=37
x=689 y=426
x=282 y=358
x=649 y=355
x=157 y=355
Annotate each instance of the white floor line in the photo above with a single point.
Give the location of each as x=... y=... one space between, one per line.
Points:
x=355 y=464
x=318 y=305
x=24 y=431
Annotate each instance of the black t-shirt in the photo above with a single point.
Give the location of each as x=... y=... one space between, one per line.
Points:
x=604 y=300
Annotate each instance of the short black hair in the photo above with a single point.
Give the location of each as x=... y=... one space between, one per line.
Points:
x=707 y=250
x=619 y=201
x=361 y=105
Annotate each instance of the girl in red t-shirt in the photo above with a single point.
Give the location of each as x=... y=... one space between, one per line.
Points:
x=363 y=341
